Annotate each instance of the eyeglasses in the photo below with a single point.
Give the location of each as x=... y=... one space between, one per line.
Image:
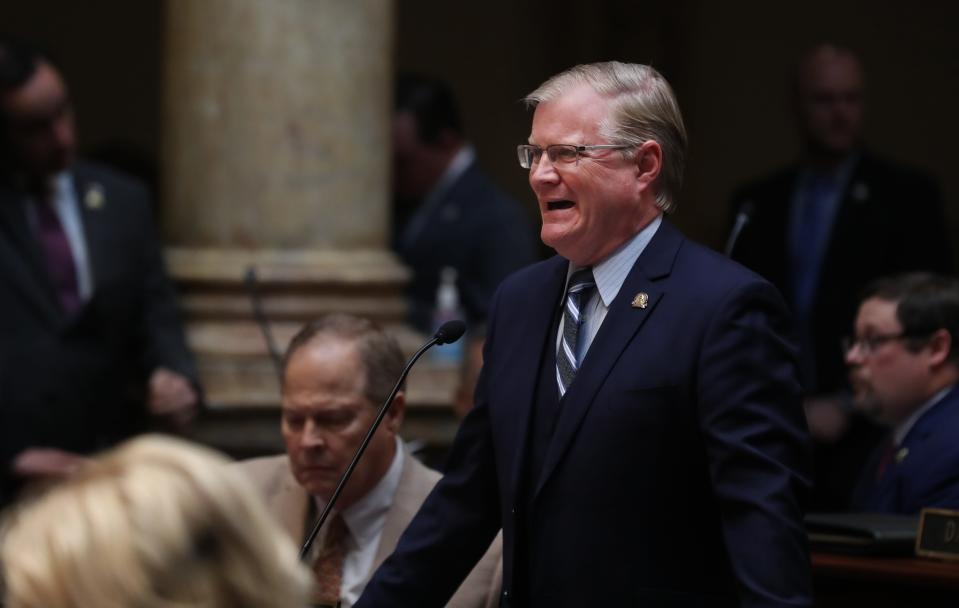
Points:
x=868 y=344
x=564 y=154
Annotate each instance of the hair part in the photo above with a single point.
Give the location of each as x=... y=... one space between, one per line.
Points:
x=925 y=303
x=643 y=107
x=380 y=355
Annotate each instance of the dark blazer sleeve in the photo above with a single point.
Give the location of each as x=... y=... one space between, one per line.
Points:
x=164 y=341
x=757 y=444
x=453 y=528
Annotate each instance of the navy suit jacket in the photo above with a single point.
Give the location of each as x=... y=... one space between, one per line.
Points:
x=677 y=468
x=925 y=471
x=77 y=383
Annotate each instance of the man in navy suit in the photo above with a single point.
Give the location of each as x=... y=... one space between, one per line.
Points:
x=449 y=213
x=904 y=365
x=89 y=336
x=637 y=431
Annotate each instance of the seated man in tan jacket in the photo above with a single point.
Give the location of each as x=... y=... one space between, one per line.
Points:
x=336 y=373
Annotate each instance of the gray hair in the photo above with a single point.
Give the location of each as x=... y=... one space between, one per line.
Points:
x=643 y=107
x=380 y=354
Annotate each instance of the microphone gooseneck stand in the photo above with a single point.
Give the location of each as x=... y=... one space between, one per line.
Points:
x=451 y=331
x=252 y=287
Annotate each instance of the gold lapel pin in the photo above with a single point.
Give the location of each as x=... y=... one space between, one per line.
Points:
x=640 y=300
x=94 y=198
x=901 y=454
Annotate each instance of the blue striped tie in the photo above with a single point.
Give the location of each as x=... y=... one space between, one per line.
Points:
x=578 y=291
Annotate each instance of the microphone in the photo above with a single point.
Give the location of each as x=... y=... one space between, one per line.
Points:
x=449 y=332
x=249 y=280
x=742 y=219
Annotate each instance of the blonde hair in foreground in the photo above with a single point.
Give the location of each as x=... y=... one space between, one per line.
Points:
x=154 y=523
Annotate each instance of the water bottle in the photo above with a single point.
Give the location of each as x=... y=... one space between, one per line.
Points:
x=447 y=308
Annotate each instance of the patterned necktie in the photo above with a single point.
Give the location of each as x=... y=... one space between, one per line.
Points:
x=57 y=256
x=886 y=455
x=580 y=287
x=328 y=567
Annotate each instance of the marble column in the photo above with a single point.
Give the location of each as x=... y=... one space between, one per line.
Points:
x=276 y=158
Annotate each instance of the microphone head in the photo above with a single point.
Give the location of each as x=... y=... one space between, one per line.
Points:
x=450 y=332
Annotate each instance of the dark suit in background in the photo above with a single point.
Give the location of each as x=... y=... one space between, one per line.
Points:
x=474 y=228
x=447 y=211
x=77 y=383
x=889 y=220
x=823 y=229
x=922 y=472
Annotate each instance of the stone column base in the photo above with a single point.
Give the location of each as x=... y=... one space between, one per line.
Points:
x=215 y=294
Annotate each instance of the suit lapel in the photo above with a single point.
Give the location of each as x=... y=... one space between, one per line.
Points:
x=290 y=503
x=414 y=485
x=22 y=256
x=532 y=339
x=622 y=323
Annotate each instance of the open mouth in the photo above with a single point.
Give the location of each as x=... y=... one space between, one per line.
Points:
x=557 y=205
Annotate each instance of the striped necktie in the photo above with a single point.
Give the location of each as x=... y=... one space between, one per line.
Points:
x=578 y=291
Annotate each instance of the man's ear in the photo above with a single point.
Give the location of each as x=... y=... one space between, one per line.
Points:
x=939 y=345
x=394 y=417
x=649 y=163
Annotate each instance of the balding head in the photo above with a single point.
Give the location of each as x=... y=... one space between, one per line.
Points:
x=829 y=91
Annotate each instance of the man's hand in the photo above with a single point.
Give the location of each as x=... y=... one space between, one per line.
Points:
x=46 y=463
x=171 y=396
x=827 y=418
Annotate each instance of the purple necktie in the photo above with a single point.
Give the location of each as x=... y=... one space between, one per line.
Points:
x=58 y=257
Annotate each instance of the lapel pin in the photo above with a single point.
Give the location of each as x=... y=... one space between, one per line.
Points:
x=94 y=197
x=901 y=454
x=640 y=300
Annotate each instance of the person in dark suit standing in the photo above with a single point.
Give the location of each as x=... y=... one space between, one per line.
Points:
x=637 y=430
x=820 y=231
x=905 y=366
x=88 y=324
x=448 y=212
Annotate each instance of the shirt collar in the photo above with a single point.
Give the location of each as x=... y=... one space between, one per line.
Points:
x=611 y=273
x=901 y=431
x=365 y=517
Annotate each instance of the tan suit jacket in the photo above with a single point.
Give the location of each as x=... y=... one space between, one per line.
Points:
x=289 y=502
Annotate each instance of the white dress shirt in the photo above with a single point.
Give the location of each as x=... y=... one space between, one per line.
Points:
x=365 y=519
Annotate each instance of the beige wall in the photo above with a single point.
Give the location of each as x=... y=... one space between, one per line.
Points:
x=727 y=61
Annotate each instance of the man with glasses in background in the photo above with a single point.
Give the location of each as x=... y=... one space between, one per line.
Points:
x=637 y=429
x=903 y=370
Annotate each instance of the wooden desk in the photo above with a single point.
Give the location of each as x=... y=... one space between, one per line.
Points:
x=878 y=582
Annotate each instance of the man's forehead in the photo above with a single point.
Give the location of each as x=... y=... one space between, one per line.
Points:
x=44 y=93
x=830 y=68
x=312 y=403
x=878 y=312
x=579 y=111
